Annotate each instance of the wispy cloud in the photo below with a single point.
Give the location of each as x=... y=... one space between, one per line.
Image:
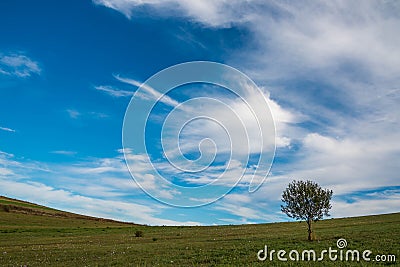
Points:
x=149 y=92
x=211 y=13
x=18 y=65
x=75 y=114
x=113 y=91
x=7 y=129
x=98 y=115
x=366 y=203
x=64 y=152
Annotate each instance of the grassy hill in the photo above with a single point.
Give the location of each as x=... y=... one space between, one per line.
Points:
x=35 y=235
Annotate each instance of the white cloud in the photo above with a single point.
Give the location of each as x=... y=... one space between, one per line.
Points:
x=346 y=53
x=352 y=55
x=74 y=114
x=114 y=91
x=18 y=65
x=148 y=92
x=247 y=209
x=344 y=165
x=241 y=211
x=18 y=169
x=98 y=115
x=141 y=169
x=230 y=123
x=340 y=43
x=369 y=204
x=64 y=152
x=7 y=129
x=5 y=172
x=350 y=165
x=5 y=154
x=212 y=13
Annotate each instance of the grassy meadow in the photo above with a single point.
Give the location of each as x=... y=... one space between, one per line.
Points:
x=34 y=235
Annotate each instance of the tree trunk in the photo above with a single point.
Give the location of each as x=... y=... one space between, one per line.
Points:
x=309 y=229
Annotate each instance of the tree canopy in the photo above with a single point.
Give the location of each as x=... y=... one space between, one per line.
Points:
x=306 y=200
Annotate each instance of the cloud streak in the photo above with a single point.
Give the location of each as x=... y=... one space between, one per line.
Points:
x=7 y=129
x=115 y=92
x=18 y=65
x=211 y=13
x=75 y=114
x=149 y=92
x=64 y=152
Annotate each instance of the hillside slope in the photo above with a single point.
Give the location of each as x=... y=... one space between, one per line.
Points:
x=34 y=235
x=16 y=206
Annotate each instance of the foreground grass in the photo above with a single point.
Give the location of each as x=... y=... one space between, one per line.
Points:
x=46 y=240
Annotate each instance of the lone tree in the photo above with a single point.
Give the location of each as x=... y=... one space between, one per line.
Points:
x=306 y=201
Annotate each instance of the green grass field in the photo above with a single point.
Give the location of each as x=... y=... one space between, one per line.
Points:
x=39 y=236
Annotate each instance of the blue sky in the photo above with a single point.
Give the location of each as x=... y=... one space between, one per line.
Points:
x=330 y=73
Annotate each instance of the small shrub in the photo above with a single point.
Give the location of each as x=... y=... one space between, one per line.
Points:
x=154 y=238
x=6 y=208
x=138 y=233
